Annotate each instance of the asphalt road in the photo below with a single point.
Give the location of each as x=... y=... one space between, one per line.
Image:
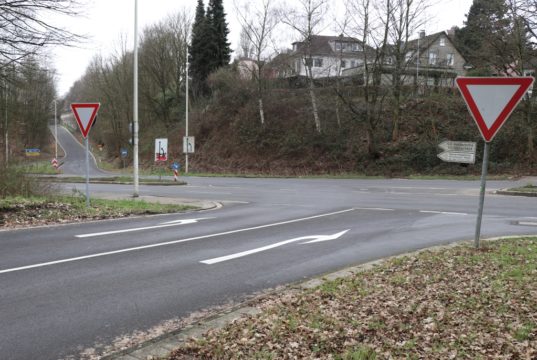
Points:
x=74 y=162
x=72 y=287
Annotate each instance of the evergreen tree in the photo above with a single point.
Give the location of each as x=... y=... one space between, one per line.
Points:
x=199 y=50
x=219 y=31
x=484 y=38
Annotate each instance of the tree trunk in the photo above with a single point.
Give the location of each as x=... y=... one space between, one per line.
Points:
x=261 y=112
x=314 y=105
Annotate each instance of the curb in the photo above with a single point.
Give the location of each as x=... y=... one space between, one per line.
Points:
x=515 y=193
x=163 y=345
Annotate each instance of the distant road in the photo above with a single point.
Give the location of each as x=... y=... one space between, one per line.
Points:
x=74 y=162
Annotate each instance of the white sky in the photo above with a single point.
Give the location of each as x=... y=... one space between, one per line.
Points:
x=104 y=22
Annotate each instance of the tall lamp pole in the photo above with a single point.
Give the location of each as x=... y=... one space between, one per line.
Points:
x=55 y=130
x=186 y=107
x=135 y=104
x=6 y=126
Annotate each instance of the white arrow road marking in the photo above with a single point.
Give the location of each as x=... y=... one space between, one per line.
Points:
x=442 y=212
x=313 y=238
x=167 y=243
x=161 y=225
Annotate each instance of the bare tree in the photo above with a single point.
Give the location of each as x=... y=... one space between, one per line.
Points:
x=25 y=27
x=258 y=22
x=307 y=21
x=368 y=21
x=406 y=16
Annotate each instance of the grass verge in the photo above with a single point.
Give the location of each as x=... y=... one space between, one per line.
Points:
x=43 y=210
x=526 y=189
x=457 y=303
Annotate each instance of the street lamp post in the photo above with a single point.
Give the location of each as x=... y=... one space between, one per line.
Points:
x=55 y=130
x=135 y=104
x=186 y=114
x=6 y=128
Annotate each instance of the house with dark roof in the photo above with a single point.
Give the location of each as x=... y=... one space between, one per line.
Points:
x=435 y=60
x=327 y=55
x=432 y=60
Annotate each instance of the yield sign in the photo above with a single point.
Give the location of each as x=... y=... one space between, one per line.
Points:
x=492 y=100
x=85 y=114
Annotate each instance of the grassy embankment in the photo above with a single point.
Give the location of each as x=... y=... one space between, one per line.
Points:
x=458 y=303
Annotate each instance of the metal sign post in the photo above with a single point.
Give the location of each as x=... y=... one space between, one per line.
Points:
x=85 y=114
x=484 y=172
x=87 y=174
x=490 y=101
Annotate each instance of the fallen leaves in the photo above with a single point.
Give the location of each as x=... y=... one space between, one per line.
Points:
x=457 y=304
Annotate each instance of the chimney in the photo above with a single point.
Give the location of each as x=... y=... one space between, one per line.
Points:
x=422 y=34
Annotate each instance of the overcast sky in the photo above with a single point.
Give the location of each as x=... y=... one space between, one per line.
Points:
x=104 y=21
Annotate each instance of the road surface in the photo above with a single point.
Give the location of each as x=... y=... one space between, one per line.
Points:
x=72 y=287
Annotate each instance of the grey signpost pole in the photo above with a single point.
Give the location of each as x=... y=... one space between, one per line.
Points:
x=87 y=173
x=482 y=194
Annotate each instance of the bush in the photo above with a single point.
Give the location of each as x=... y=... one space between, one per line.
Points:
x=14 y=182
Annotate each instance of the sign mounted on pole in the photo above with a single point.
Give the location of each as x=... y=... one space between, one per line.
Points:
x=85 y=114
x=458 y=151
x=188 y=144
x=161 y=149
x=491 y=100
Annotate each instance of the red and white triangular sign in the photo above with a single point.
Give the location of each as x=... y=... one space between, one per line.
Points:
x=491 y=100
x=85 y=114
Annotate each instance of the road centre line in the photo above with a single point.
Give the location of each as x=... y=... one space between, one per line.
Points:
x=374 y=209
x=78 y=258
x=442 y=212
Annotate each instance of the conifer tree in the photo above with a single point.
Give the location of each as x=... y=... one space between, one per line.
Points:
x=199 y=51
x=219 y=31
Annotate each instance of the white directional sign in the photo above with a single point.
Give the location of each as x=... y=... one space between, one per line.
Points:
x=161 y=149
x=463 y=146
x=457 y=157
x=188 y=144
x=458 y=151
x=306 y=239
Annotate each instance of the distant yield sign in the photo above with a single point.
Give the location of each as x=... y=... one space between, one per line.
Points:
x=85 y=114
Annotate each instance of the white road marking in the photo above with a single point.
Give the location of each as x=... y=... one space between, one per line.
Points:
x=374 y=209
x=162 y=225
x=442 y=212
x=527 y=223
x=313 y=238
x=34 y=266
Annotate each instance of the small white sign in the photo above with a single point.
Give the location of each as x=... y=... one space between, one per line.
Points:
x=161 y=149
x=188 y=144
x=457 y=157
x=462 y=146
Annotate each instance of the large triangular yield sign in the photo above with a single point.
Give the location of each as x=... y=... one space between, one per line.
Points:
x=85 y=114
x=491 y=100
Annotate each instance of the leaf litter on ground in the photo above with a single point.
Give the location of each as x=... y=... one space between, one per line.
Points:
x=457 y=303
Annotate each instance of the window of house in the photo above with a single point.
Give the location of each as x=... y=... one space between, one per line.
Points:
x=450 y=59
x=353 y=63
x=442 y=41
x=317 y=62
x=388 y=60
x=343 y=64
x=432 y=58
x=338 y=46
x=355 y=47
x=297 y=66
x=408 y=56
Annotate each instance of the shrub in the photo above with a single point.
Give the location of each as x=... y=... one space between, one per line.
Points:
x=14 y=182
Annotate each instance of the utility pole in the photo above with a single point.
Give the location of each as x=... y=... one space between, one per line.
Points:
x=186 y=107
x=135 y=104
x=56 y=130
x=6 y=126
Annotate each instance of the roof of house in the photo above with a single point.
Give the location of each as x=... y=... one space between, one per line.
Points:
x=320 y=44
